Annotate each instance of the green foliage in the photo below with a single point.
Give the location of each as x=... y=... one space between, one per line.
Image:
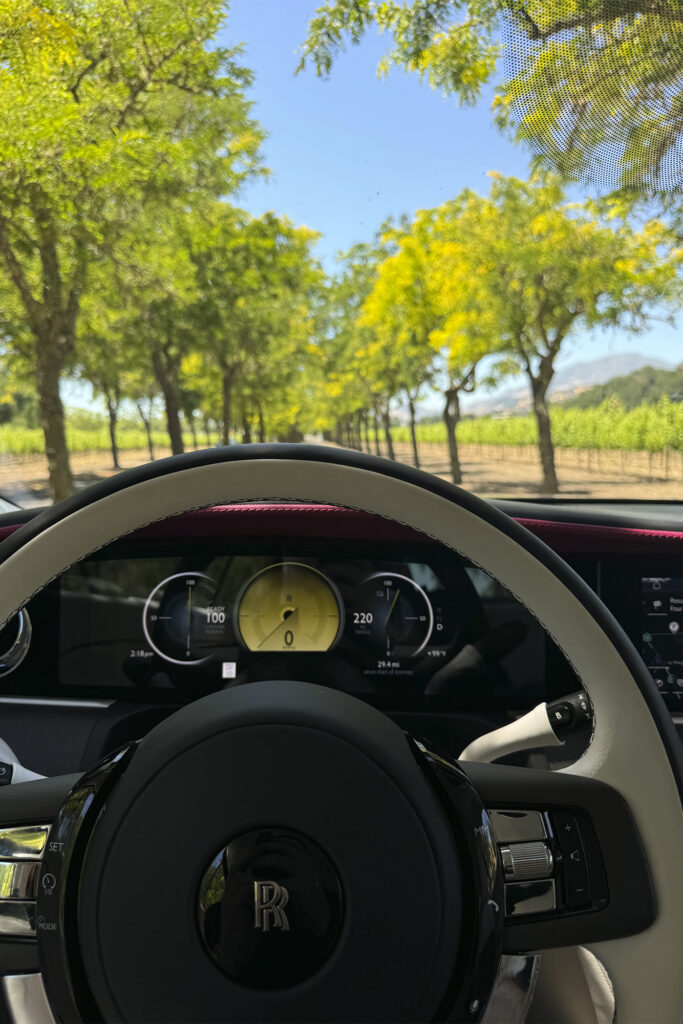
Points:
x=601 y=72
x=16 y=440
x=450 y=43
x=642 y=387
x=649 y=428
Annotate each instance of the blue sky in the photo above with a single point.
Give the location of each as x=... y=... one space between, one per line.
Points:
x=348 y=152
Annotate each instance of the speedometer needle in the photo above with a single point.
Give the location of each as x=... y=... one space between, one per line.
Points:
x=292 y=613
x=392 y=608
x=189 y=618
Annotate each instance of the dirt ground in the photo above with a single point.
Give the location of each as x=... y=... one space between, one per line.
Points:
x=492 y=472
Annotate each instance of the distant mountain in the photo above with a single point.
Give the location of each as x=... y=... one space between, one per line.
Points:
x=642 y=387
x=568 y=383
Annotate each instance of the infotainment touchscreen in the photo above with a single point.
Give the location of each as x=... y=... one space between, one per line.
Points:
x=662 y=632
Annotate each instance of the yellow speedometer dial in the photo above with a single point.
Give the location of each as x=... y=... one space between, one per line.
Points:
x=289 y=607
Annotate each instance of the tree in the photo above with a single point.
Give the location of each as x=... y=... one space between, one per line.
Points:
x=525 y=269
x=109 y=109
x=401 y=313
x=579 y=75
x=251 y=275
x=351 y=387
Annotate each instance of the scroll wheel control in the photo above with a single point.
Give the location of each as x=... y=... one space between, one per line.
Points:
x=526 y=860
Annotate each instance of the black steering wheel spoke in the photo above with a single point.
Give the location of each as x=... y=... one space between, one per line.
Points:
x=573 y=862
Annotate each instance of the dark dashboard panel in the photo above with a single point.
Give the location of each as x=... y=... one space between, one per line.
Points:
x=89 y=638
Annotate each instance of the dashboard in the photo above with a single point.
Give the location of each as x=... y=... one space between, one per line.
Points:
x=227 y=596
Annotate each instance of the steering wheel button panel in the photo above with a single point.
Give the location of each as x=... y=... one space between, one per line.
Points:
x=568 y=854
x=21 y=850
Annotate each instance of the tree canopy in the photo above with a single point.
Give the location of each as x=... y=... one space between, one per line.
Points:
x=593 y=86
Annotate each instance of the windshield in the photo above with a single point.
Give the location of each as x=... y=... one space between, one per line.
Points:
x=447 y=232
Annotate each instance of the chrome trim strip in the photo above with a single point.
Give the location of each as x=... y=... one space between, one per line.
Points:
x=24 y=842
x=26 y=999
x=18 y=919
x=512 y=990
x=54 y=702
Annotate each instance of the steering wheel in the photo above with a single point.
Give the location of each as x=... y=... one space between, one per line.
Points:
x=283 y=852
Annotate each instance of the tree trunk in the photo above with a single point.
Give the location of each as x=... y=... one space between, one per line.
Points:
x=539 y=389
x=451 y=415
x=227 y=404
x=193 y=430
x=148 y=430
x=207 y=430
x=261 y=426
x=413 y=435
x=48 y=369
x=246 y=429
x=387 y=433
x=375 y=423
x=366 y=434
x=166 y=378
x=113 y=411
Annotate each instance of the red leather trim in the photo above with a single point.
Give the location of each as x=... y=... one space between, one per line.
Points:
x=320 y=522
x=580 y=538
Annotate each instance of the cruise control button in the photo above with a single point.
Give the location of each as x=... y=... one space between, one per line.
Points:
x=6 y=770
x=529 y=897
x=574 y=863
x=18 y=880
x=23 y=842
x=17 y=919
x=517 y=826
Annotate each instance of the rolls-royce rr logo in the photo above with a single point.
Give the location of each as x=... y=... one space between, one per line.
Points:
x=270 y=900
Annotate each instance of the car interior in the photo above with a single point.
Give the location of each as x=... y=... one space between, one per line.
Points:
x=379 y=719
x=237 y=681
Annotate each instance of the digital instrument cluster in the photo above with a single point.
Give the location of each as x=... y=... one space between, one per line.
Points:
x=204 y=620
x=287 y=607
